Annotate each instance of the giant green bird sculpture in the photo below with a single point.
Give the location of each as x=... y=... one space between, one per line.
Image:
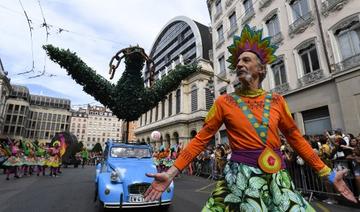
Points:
x=129 y=98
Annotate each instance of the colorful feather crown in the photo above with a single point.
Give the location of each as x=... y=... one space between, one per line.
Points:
x=251 y=40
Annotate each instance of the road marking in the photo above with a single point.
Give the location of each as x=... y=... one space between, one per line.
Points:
x=322 y=207
x=205 y=187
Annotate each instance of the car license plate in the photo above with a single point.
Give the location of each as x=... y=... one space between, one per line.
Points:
x=136 y=198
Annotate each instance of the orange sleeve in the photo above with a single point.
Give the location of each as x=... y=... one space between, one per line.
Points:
x=293 y=136
x=213 y=121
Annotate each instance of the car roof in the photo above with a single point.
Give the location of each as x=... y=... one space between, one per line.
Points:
x=119 y=143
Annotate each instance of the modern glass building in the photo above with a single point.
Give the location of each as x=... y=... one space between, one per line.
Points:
x=33 y=116
x=180 y=116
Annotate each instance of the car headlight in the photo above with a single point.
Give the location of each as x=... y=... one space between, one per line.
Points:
x=115 y=176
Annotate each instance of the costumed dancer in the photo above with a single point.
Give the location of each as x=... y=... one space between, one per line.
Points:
x=63 y=147
x=54 y=158
x=5 y=153
x=165 y=159
x=14 y=163
x=41 y=157
x=255 y=176
x=29 y=158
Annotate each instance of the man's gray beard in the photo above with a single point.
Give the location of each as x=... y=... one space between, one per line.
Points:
x=248 y=77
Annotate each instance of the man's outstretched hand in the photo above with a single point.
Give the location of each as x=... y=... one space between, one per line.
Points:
x=341 y=186
x=160 y=183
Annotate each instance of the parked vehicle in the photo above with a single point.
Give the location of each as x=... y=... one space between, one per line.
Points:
x=120 y=179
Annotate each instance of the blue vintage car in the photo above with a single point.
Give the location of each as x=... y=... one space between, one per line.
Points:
x=120 y=179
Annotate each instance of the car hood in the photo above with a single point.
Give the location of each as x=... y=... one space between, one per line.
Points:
x=133 y=170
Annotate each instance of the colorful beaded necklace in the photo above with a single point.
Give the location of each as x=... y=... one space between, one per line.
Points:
x=269 y=161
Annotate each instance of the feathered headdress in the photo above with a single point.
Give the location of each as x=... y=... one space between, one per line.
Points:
x=251 y=40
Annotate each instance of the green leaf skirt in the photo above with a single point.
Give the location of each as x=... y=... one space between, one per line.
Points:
x=246 y=188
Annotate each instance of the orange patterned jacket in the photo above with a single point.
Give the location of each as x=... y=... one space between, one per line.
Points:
x=242 y=135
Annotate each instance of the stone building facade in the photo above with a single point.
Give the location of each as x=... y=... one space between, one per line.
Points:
x=95 y=124
x=5 y=89
x=318 y=66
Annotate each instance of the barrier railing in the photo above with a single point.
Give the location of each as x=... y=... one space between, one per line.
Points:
x=303 y=176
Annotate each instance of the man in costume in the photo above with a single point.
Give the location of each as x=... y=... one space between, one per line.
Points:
x=255 y=176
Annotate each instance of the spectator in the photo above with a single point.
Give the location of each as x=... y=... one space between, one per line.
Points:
x=355 y=157
x=325 y=151
x=84 y=156
x=338 y=152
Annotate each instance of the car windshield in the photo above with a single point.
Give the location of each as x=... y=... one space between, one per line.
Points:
x=129 y=152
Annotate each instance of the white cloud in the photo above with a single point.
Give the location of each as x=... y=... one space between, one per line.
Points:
x=97 y=30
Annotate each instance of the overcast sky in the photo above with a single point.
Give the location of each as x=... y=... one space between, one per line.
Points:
x=94 y=29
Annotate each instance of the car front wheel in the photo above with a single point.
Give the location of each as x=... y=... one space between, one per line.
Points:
x=100 y=206
x=165 y=208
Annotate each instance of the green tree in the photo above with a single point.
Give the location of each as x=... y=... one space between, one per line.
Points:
x=128 y=99
x=97 y=148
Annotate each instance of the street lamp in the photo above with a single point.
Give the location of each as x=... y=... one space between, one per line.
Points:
x=210 y=84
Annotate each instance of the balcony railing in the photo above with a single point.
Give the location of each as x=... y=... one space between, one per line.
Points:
x=264 y=3
x=301 y=24
x=277 y=38
x=248 y=15
x=282 y=88
x=332 y=5
x=311 y=77
x=348 y=63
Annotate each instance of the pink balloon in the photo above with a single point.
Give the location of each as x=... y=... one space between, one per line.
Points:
x=155 y=136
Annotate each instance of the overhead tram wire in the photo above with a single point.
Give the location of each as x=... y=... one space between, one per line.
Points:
x=61 y=30
x=64 y=29
x=31 y=40
x=47 y=27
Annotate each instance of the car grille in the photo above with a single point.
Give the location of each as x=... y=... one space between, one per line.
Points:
x=138 y=188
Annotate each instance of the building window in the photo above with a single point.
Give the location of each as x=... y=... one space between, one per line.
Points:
x=156 y=112
x=218 y=6
x=223 y=137
x=232 y=20
x=20 y=120
x=194 y=98
x=248 y=5
x=222 y=64
x=273 y=25
x=150 y=115
x=349 y=40
x=10 y=108
x=180 y=38
x=220 y=33
x=309 y=58
x=279 y=72
x=316 y=120
x=209 y=99
x=170 y=105
x=178 y=101
x=145 y=118
x=162 y=109
x=299 y=8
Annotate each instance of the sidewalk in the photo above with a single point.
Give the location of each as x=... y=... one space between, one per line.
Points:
x=321 y=206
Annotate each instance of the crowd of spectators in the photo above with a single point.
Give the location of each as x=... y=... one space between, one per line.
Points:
x=339 y=150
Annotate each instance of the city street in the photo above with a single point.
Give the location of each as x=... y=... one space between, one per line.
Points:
x=74 y=191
